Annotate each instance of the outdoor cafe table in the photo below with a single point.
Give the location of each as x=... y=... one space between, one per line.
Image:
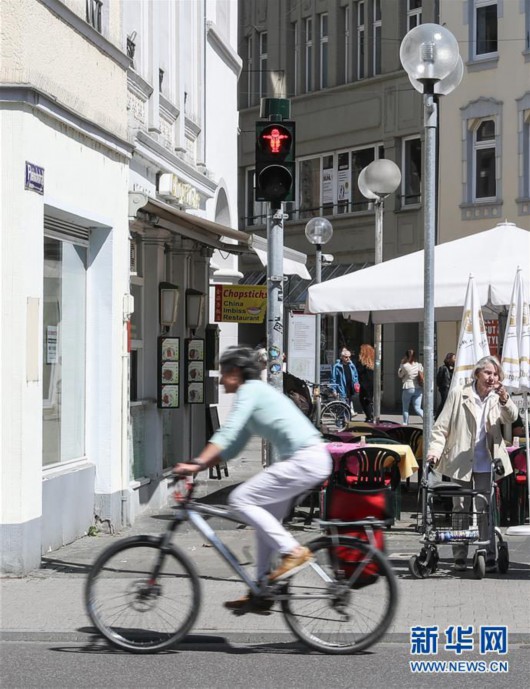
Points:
x=391 y=429
x=407 y=465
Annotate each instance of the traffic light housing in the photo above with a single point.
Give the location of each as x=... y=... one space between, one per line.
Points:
x=275 y=161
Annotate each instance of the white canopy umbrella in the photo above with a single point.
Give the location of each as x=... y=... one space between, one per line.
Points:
x=516 y=362
x=473 y=340
x=392 y=291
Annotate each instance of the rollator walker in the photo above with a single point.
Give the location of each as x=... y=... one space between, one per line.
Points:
x=432 y=524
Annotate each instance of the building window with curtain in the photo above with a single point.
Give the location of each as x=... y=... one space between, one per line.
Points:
x=414 y=8
x=484 y=170
x=484 y=26
x=263 y=57
x=376 y=36
x=323 y=50
x=361 y=40
x=64 y=351
x=308 y=54
x=411 y=172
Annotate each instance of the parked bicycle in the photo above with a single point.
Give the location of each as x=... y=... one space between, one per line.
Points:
x=335 y=414
x=143 y=593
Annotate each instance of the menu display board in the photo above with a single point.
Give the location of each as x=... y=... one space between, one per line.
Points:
x=195 y=371
x=168 y=372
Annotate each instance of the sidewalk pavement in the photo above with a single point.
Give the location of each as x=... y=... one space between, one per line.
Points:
x=48 y=603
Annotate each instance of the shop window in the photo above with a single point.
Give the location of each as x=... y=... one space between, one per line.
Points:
x=309 y=185
x=64 y=351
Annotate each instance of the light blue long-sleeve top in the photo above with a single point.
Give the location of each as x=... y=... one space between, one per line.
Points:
x=259 y=409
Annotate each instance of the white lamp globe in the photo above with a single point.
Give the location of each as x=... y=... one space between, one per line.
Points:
x=445 y=86
x=319 y=231
x=363 y=186
x=429 y=52
x=382 y=177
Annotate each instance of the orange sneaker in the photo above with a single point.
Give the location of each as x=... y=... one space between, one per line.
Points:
x=292 y=563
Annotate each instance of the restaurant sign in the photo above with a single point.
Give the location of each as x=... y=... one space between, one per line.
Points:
x=240 y=303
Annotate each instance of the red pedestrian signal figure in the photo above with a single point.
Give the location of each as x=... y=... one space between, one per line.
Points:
x=275 y=161
x=275 y=138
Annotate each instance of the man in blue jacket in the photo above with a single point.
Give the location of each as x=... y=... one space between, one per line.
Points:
x=345 y=377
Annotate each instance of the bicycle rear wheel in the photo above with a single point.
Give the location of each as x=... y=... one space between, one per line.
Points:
x=332 y=607
x=135 y=608
x=335 y=415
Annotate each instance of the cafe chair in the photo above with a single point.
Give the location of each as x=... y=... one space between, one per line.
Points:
x=408 y=435
x=368 y=432
x=518 y=460
x=372 y=468
x=379 y=440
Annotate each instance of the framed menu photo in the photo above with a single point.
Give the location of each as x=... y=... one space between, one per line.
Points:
x=194 y=367
x=168 y=372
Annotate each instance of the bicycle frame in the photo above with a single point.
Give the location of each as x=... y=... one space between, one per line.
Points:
x=193 y=512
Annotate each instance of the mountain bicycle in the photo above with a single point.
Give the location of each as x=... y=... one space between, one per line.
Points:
x=143 y=593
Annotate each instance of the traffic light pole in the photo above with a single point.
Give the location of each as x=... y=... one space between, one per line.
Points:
x=274 y=305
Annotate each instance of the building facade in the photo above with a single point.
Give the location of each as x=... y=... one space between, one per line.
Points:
x=485 y=126
x=338 y=63
x=119 y=211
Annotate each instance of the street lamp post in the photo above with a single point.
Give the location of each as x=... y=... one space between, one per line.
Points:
x=429 y=54
x=318 y=231
x=376 y=181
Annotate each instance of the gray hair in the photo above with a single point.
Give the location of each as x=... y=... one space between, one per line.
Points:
x=243 y=358
x=487 y=361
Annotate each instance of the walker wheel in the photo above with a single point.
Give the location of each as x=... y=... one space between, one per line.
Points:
x=479 y=565
x=417 y=568
x=503 y=559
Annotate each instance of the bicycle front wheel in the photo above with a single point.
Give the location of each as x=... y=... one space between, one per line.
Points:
x=335 y=415
x=345 y=600
x=142 y=599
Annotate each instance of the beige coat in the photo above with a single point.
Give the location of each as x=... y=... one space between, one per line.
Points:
x=453 y=435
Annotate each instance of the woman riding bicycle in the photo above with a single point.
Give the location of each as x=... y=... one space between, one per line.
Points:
x=265 y=499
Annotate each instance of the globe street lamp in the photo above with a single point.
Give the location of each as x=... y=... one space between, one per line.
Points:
x=430 y=56
x=376 y=181
x=318 y=232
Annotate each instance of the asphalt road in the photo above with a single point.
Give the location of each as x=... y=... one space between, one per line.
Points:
x=263 y=665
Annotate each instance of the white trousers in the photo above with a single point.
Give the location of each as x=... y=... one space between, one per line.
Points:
x=265 y=499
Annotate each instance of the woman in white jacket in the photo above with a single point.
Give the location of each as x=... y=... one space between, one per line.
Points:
x=411 y=373
x=466 y=438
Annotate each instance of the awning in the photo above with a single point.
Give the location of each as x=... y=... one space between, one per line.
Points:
x=213 y=234
x=293 y=261
x=192 y=226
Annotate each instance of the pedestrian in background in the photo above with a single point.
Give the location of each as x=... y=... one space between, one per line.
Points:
x=365 y=370
x=344 y=378
x=444 y=376
x=411 y=373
